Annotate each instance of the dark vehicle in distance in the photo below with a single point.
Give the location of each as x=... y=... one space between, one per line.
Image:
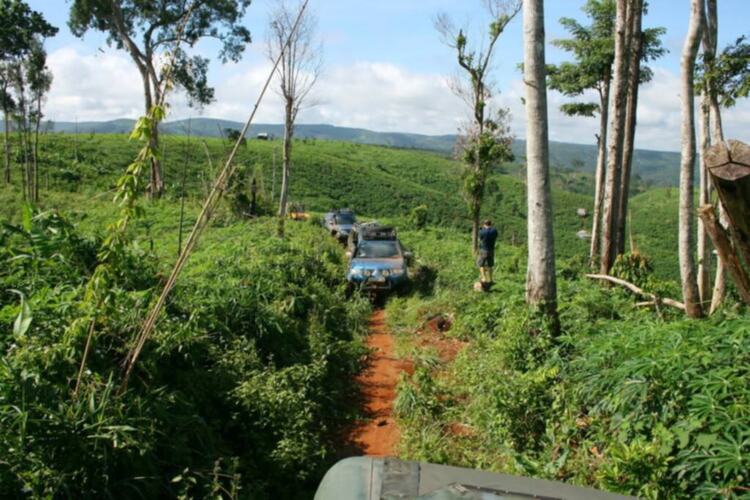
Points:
x=340 y=223
x=378 y=261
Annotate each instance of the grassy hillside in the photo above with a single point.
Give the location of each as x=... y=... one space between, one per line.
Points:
x=374 y=181
x=653 y=168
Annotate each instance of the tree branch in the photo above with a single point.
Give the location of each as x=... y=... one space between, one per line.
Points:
x=638 y=291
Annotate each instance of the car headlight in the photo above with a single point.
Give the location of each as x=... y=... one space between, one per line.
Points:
x=397 y=272
x=367 y=272
x=356 y=272
x=385 y=272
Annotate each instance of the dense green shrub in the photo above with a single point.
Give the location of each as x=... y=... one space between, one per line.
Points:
x=418 y=216
x=626 y=399
x=240 y=389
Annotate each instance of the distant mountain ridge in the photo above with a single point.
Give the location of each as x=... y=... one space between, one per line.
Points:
x=660 y=168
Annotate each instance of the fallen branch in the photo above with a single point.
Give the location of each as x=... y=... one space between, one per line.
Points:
x=638 y=291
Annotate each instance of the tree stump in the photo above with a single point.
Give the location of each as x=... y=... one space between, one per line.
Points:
x=729 y=168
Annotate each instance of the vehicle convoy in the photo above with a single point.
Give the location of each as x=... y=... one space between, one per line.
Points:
x=378 y=261
x=340 y=223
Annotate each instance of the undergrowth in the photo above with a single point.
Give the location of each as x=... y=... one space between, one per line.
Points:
x=627 y=399
x=239 y=394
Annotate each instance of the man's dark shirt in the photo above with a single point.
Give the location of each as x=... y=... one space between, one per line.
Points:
x=487 y=238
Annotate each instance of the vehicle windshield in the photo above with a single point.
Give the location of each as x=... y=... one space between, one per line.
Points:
x=344 y=218
x=378 y=250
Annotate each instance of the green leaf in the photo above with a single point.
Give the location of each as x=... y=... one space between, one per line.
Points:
x=23 y=320
x=27 y=215
x=705 y=440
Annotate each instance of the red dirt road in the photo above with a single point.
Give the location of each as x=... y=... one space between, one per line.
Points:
x=377 y=434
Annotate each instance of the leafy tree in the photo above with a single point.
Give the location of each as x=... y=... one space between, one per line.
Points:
x=31 y=80
x=233 y=135
x=146 y=29
x=593 y=48
x=477 y=91
x=481 y=149
x=731 y=72
x=20 y=30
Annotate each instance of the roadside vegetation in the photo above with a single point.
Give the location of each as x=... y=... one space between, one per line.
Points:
x=248 y=344
x=628 y=399
x=258 y=346
x=244 y=387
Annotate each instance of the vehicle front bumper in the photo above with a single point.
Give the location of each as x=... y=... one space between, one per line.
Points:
x=383 y=283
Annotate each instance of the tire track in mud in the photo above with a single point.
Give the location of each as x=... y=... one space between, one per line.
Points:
x=377 y=433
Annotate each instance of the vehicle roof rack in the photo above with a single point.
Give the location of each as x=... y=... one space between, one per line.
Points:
x=377 y=232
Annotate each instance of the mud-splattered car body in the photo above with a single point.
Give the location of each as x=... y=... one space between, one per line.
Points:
x=340 y=223
x=378 y=261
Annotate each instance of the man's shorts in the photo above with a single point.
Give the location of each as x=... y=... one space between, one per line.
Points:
x=486 y=259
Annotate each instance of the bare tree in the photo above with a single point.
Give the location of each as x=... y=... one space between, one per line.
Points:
x=690 y=294
x=297 y=74
x=476 y=90
x=541 y=286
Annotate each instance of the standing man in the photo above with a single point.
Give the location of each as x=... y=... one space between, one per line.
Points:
x=486 y=259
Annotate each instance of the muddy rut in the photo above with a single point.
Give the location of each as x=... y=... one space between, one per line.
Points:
x=377 y=434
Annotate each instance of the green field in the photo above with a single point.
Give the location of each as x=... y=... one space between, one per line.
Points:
x=372 y=180
x=246 y=386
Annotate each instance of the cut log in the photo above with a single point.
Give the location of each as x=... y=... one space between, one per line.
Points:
x=727 y=253
x=638 y=291
x=729 y=167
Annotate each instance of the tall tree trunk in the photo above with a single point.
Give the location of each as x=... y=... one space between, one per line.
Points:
x=634 y=76
x=690 y=294
x=156 y=185
x=35 y=150
x=704 y=198
x=617 y=138
x=476 y=211
x=717 y=136
x=7 y=145
x=476 y=202
x=601 y=165
x=286 y=159
x=24 y=169
x=541 y=286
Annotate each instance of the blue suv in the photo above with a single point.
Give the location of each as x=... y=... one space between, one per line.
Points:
x=378 y=261
x=340 y=223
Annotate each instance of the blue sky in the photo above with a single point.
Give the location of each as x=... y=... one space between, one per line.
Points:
x=385 y=68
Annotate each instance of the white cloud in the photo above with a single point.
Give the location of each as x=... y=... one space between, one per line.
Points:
x=373 y=95
x=93 y=87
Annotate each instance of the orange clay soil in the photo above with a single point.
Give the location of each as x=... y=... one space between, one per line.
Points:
x=377 y=434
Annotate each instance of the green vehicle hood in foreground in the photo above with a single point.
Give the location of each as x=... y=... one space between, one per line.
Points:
x=377 y=478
